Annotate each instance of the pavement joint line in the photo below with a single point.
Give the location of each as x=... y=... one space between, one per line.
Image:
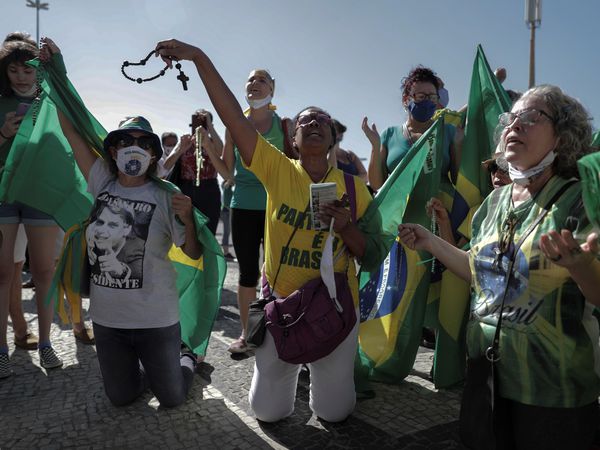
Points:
x=243 y=417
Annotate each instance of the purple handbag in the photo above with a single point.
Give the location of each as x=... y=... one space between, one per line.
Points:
x=308 y=325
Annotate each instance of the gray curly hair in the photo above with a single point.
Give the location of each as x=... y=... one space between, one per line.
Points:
x=571 y=125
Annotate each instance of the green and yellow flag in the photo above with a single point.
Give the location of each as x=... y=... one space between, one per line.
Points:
x=393 y=298
x=487 y=100
x=41 y=149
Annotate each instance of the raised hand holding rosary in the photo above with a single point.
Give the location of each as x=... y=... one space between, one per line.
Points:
x=181 y=77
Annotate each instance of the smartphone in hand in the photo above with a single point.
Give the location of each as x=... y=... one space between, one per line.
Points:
x=22 y=109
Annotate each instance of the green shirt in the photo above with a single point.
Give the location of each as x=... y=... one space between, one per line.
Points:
x=249 y=192
x=549 y=337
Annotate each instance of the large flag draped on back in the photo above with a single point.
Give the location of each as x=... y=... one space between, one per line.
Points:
x=487 y=100
x=199 y=282
x=393 y=299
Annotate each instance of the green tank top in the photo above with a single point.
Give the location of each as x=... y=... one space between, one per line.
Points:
x=249 y=193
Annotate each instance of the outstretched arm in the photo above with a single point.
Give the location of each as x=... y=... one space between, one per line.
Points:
x=84 y=155
x=416 y=237
x=225 y=103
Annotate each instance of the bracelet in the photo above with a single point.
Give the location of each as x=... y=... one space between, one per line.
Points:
x=2 y=134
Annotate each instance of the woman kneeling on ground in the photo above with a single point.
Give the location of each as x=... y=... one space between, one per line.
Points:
x=134 y=303
x=273 y=390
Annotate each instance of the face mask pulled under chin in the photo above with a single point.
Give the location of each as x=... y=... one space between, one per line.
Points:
x=259 y=103
x=523 y=177
x=133 y=161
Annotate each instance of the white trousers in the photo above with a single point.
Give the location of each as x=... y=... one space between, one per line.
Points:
x=332 y=395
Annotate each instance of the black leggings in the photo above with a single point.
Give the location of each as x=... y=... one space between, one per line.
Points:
x=247 y=232
x=207 y=198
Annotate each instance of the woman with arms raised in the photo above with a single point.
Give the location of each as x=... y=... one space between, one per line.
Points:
x=287 y=182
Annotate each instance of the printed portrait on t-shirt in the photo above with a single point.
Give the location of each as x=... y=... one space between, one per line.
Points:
x=116 y=240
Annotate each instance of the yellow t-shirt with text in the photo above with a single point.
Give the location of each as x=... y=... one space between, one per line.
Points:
x=288 y=191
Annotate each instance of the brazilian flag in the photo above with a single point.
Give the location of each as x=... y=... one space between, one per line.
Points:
x=40 y=152
x=487 y=100
x=393 y=298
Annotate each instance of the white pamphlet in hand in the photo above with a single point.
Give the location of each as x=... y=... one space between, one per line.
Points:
x=321 y=193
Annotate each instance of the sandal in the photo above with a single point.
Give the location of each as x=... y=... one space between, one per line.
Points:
x=85 y=336
x=27 y=342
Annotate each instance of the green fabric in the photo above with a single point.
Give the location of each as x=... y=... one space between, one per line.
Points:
x=199 y=288
x=549 y=338
x=249 y=193
x=487 y=99
x=589 y=169
x=596 y=139
x=390 y=328
x=40 y=152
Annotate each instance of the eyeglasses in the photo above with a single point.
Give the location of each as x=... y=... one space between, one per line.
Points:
x=320 y=117
x=526 y=117
x=126 y=140
x=420 y=96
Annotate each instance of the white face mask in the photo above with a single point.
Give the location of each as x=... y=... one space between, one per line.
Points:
x=133 y=161
x=255 y=104
x=168 y=149
x=523 y=177
x=27 y=94
x=327 y=273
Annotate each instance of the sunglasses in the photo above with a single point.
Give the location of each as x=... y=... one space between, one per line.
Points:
x=527 y=117
x=320 y=117
x=126 y=140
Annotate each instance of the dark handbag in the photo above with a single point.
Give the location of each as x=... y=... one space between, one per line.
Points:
x=308 y=324
x=479 y=418
x=256 y=329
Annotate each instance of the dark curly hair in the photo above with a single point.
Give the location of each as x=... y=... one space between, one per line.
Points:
x=418 y=74
x=17 y=48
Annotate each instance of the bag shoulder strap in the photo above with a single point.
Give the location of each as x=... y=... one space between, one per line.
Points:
x=491 y=352
x=351 y=190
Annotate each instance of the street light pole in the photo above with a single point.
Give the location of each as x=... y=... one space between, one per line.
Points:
x=37 y=5
x=533 y=19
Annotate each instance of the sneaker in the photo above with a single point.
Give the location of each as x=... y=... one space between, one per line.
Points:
x=229 y=257
x=238 y=346
x=5 y=370
x=49 y=359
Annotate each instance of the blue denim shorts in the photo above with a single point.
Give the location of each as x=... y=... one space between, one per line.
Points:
x=19 y=213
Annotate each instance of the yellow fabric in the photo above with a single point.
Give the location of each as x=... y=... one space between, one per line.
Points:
x=287 y=185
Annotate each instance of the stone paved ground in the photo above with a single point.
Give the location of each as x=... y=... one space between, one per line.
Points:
x=67 y=408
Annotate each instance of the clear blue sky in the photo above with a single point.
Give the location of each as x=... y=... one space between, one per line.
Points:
x=347 y=56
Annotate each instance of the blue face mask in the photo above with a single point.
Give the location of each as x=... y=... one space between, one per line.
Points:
x=422 y=111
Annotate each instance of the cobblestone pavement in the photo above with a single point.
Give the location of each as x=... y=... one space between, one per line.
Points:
x=67 y=408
